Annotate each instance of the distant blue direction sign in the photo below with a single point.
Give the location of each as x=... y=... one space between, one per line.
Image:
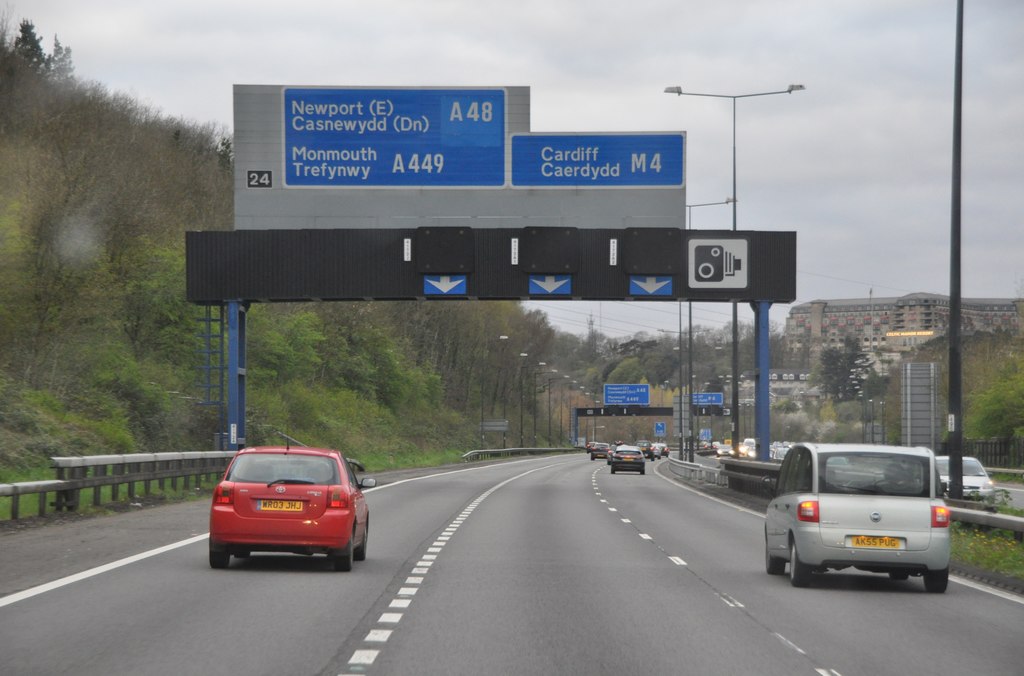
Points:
x=627 y=394
x=650 y=286
x=550 y=285
x=444 y=285
x=707 y=399
x=659 y=429
x=394 y=137
x=597 y=160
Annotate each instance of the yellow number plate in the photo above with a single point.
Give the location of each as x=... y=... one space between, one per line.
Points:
x=280 y=505
x=883 y=542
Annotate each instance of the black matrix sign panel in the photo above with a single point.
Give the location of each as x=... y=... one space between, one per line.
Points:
x=436 y=263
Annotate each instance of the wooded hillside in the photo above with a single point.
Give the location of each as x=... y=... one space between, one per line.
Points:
x=98 y=347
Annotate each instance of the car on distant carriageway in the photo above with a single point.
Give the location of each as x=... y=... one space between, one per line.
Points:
x=599 y=449
x=874 y=508
x=628 y=458
x=299 y=500
x=976 y=481
x=645 y=447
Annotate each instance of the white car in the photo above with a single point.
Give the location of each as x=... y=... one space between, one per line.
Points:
x=748 y=449
x=873 y=508
x=976 y=480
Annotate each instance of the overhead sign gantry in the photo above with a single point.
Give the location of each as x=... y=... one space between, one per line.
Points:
x=447 y=193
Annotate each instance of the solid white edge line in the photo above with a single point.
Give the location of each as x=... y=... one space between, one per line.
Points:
x=86 y=574
x=454 y=471
x=994 y=591
x=92 y=572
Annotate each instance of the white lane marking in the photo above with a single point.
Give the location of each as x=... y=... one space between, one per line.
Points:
x=793 y=646
x=676 y=560
x=105 y=568
x=420 y=571
x=364 y=657
x=709 y=497
x=454 y=471
x=985 y=588
x=730 y=601
x=994 y=591
x=645 y=536
x=92 y=572
x=612 y=509
x=627 y=521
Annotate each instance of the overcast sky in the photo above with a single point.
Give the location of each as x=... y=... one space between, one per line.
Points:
x=858 y=165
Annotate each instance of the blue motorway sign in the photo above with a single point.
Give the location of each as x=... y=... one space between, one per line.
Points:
x=650 y=286
x=394 y=137
x=550 y=285
x=659 y=429
x=444 y=285
x=597 y=160
x=627 y=394
x=707 y=399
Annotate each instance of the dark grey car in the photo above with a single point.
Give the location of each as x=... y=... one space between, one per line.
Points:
x=628 y=459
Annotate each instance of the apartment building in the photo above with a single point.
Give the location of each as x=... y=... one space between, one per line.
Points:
x=893 y=324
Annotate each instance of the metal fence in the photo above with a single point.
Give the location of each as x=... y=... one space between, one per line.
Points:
x=1008 y=453
x=127 y=472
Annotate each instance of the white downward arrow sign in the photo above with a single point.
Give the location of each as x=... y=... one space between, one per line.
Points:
x=446 y=283
x=651 y=284
x=550 y=283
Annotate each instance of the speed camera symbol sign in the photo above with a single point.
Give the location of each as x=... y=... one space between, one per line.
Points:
x=718 y=264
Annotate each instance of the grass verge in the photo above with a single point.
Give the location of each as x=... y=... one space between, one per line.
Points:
x=994 y=550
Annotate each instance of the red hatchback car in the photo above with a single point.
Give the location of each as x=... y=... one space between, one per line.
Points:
x=298 y=500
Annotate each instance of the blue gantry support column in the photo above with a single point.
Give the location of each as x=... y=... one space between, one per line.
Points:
x=236 y=374
x=762 y=396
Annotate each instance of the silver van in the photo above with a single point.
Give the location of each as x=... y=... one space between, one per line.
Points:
x=872 y=508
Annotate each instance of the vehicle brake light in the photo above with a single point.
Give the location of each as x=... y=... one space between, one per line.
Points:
x=339 y=497
x=807 y=511
x=224 y=494
x=940 y=517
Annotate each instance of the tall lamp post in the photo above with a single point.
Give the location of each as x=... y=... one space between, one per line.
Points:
x=734 y=408
x=689 y=311
x=535 y=374
x=522 y=356
x=501 y=337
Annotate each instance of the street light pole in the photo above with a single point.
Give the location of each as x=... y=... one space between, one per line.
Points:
x=689 y=390
x=501 y=337
x=735 y=314
x=522 y=442
x=533 y=400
